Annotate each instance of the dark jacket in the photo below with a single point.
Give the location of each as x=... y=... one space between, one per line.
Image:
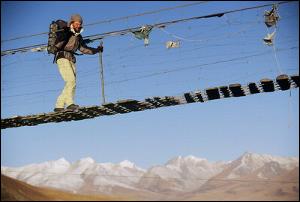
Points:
x=70 y=45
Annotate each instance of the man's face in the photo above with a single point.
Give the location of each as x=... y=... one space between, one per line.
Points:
x=76 y=26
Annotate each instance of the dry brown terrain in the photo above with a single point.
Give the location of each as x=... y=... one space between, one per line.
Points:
x=280 y=188
x=15 y=190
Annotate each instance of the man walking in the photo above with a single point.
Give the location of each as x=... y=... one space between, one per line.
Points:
x=66 y=60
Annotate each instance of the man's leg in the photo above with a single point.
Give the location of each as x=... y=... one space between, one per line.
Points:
x=67 y=71
x=74 y=86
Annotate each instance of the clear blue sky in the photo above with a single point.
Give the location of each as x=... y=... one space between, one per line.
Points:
x=216 y=130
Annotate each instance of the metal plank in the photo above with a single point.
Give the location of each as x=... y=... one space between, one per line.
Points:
x=212 y=93
x=267 y=85
x=283 y=82
x=236 y=90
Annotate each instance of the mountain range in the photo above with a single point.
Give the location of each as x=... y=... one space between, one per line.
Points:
x=251 y=176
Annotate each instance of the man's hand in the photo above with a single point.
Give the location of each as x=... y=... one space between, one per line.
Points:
x=100 y=48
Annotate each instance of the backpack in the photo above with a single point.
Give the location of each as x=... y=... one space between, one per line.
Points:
x=57 y=33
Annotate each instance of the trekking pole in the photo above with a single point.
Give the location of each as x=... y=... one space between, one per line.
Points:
x=101 y=74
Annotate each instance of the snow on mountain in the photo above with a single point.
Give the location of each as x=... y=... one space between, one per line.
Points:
x=127 y=163
x=104 y=176
x=78 y=175
x=80 y=166
x=250 y=162
x=269 y=170
x=51 y=167
x=48 y=174
x=178 y=174
x=191 y=166
x=181 y=174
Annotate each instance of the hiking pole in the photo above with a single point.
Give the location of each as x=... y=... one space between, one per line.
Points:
x=101 y=74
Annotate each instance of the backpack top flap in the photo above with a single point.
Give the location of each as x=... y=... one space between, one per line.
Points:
x=57 y=33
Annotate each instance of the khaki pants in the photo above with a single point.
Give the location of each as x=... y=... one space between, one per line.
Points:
x=67 y=70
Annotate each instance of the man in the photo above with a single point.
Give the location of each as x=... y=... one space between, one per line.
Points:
x=66 y=60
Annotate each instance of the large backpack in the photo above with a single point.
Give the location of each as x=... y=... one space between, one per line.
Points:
x=57 y=33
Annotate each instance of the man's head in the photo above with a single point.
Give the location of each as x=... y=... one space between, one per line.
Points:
x=76 y=22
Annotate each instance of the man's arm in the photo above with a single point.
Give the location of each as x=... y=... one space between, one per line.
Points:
x=88 y=50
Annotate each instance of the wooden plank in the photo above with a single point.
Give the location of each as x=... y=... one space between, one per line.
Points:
x=172 y=100
x=225 y=91
x=18 y=121
x=67 y=115
x=104 y=111
x=26 y=121
x=199 y=96
x=132 y=105
x=154 y=102
x=267 y=85
x=212 y=93
x=10 y=122
x=253 y=88
x=162 y=100
x=283 y=82
x=81 y=114
x=146 y=105
x=295 y=78
x=236 y=90
x=116 y=108
x=93 y=111
x=188 y=97
x=37 y=119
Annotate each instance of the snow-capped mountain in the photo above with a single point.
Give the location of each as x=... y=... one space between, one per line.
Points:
x=83 y=175
x=262 y=165
x=178 y=175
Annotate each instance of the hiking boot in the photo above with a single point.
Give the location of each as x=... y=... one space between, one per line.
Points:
x=73 y=107
x=59 y=109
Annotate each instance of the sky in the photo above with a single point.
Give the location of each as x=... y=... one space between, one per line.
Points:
x=224 y=129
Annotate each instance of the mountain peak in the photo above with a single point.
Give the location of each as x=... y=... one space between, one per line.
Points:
x=189 y=158
x=62 y=161
x=248 y=153
x=87 y=160
x=249 y=156
x=127 y=164
x=193 y=158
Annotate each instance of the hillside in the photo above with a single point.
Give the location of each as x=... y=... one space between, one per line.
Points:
x=15 y=190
